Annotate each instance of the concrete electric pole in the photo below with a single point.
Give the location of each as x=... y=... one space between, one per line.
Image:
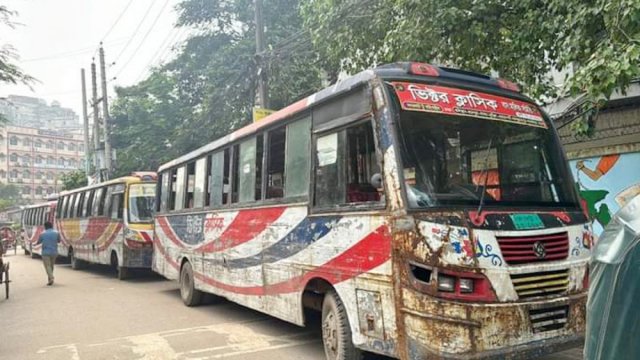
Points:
x=105 y=114
x=263 y=97
x=96 y=121
x=85 y=122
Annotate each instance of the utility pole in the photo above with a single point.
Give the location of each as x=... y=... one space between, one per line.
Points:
x=96 y=121
x=85 y=121
x=105 y=114
x=263 y=97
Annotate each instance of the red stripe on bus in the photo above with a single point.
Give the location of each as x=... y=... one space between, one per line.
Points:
x=168 y=231
x=245 y=226
x=111 y=239
x=369 y=253
x=158 y=245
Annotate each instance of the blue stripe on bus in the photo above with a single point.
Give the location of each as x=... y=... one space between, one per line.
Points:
x=299 y=238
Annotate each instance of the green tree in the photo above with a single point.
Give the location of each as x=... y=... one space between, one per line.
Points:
x=208 y=90
x=9 y=71
x=9 y=196
x=73 y=180
x=522 y=40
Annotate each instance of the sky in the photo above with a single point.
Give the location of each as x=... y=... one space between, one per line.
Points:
x=55 y=39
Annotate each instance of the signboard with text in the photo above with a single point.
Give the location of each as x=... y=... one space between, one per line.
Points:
x=450 y=101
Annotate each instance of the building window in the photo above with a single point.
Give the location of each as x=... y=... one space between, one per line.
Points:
x=26 y=190
x=3 y=174
x=49 y=144
x=13 y=140
x=13 y=157
x=39 y=190
x=72 y=147
x=49 y=190
x=61 y=161
x=40 y=175
x=39 y=159
x=61 y=145
x=26 y=159
x=49 y=175
x=13 y=174
x=51 y=160
x=73 y=163
x=26 y=142
x=26 y=174
x=81 y=147
x=38 y=143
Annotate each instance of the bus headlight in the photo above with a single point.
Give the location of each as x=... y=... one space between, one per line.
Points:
x=466 y=285
x=446 y=283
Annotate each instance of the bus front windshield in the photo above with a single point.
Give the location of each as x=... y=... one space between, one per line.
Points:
x=449 y=159
x=142 y=200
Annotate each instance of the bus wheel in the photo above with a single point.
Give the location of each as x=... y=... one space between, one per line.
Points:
x=75 y=262
x=190 y=295
x=336 y=331
x=26 y=252
x=33 y=256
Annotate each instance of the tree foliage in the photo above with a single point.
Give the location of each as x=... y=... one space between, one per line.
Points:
x=522 y=40
x=208 y=90
x=9 y=71
x=9 y=196
x=73 y=180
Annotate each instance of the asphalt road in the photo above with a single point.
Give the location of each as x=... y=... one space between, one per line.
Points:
x=89 y=314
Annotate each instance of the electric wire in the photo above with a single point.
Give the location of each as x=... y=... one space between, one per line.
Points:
x=135 y=32
x=117 y=20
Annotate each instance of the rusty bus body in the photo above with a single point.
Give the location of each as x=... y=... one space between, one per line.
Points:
x=434 y=217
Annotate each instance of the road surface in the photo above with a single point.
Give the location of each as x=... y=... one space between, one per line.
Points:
x=88 y=314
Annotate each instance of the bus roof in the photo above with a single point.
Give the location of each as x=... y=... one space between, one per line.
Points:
x=120 y=180
x=43 y=204
x=395 y=70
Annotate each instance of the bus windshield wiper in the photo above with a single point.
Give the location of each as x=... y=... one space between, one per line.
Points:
x=485 y=172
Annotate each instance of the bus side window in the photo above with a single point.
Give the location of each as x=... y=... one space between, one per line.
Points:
x=78 y=205
x=70 y=206
x=275 y=163
x=164 y=183
x=297 y=160
x=235 y=172
x=200 y=182
x=107 y=202
x=247 y=171
x=191 y=183
x=218 y=170
x=346 y=160
x=98 y=200
x=116 y=209
x=179 y=188
x=88 y=201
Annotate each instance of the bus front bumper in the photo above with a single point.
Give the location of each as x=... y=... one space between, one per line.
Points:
x=520 y=330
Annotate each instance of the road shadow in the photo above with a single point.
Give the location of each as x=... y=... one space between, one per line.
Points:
x=135 y=275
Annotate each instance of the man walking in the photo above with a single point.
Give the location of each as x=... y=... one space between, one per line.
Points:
x=49 y=240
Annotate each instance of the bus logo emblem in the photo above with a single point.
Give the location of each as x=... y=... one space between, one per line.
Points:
x=539 y=250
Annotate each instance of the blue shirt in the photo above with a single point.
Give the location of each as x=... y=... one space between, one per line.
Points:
x=49 y=240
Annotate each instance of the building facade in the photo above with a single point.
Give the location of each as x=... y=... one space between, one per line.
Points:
x=34 y=112
x=35 y=159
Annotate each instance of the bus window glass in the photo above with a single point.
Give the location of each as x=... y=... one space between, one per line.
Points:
x=88 y=200
x=297 y=158
x=191 y=184
x=71 y=206
x=142 y=198
x=235 y=171
x=165 y=192
x=259 y=166
x=275 y=163
x=361 y=164
x=116 y=206
x=329 y=167
x=179 y=189
x=217 y=178
x=98 y=200
x=247 y=170
x=106 y=209
x=200 y=181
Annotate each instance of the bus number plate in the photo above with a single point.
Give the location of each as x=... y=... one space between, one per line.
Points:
x=527 y=221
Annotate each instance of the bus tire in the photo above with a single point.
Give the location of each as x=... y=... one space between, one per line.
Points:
x=122 y=273
x=188 y=292
x=26 y=252
x=336 y=331
x=32 y=254
x=76 y=263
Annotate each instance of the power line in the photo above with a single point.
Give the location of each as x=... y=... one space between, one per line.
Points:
x=135 y=32
x=143 y=38
x=70 y=53
x=117 y=20
x=170 y=40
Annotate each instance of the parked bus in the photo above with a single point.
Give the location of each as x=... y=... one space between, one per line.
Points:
x=33 y=219
x=426 y=212
x=109 y=223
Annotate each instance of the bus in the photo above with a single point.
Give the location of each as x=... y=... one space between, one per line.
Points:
x=109 y=223
x=33 y=219
x=423 y=211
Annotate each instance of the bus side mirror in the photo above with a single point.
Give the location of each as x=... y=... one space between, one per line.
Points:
x=376 y=181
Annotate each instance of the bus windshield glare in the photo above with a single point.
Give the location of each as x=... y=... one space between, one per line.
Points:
x=452 y=159
x=141 y=203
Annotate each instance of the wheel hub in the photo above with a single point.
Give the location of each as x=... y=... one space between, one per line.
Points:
x=330 y=333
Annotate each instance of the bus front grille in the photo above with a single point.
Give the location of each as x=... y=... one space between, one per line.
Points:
x=540 y=283
x=548 y=319
x=537 y=248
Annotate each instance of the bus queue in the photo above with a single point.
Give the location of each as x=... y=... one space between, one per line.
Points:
x=422 y=211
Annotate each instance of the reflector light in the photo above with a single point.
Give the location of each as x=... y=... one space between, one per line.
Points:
x=508 y=85
x=423 y=69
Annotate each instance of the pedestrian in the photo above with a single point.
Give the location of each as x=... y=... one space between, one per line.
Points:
x=49 y=240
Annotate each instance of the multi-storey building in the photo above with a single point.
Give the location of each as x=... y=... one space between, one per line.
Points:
x=35 y=159
x=35 y=112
